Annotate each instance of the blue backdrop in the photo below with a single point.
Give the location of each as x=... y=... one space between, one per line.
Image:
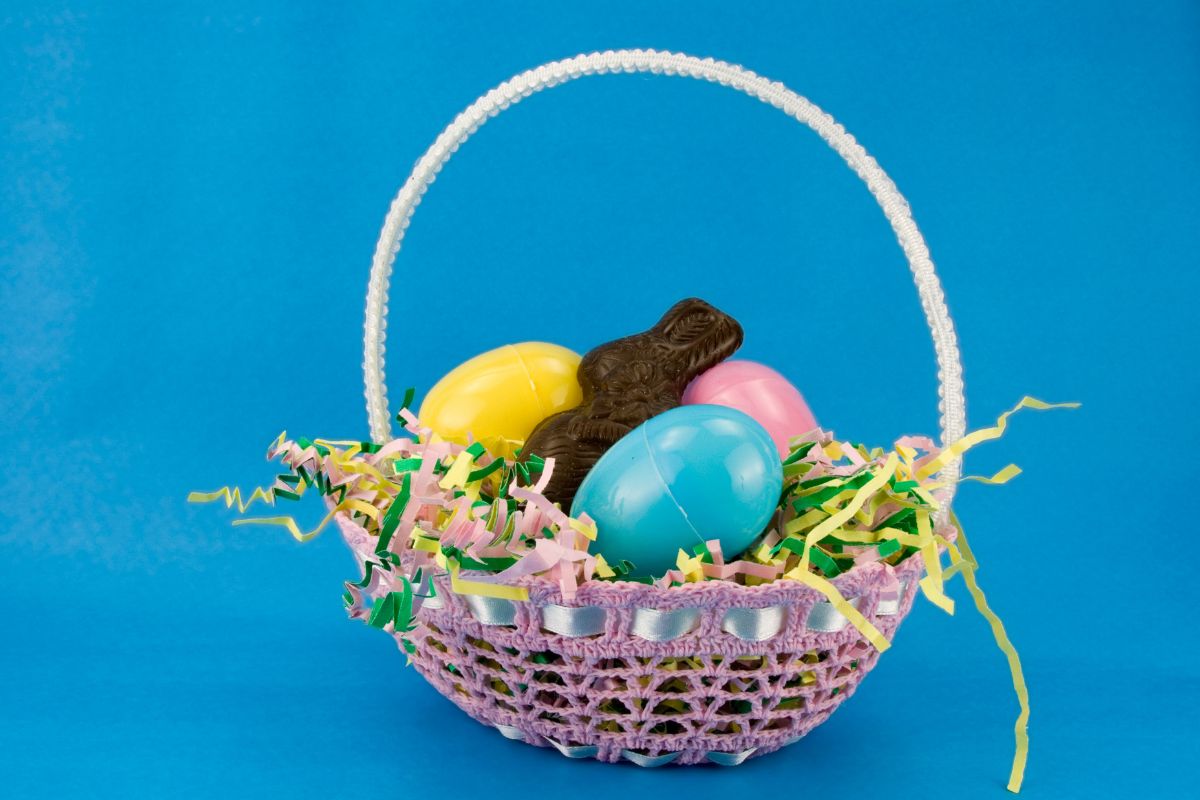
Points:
x=189 y=199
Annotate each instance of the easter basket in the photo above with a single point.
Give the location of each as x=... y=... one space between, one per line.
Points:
x=502 y=604
x=705 y=672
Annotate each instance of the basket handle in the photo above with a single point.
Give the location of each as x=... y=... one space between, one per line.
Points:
x=952 y=404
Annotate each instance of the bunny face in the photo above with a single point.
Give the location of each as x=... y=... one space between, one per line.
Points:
x=628 y=381
x=633 y=393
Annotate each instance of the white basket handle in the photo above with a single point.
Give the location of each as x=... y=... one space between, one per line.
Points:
x=950 y=390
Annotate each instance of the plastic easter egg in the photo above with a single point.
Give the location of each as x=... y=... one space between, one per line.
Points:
x=759 y=391
x=686 y=476
x=500 y=396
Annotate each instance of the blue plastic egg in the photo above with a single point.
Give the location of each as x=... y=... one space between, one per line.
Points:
x=686 y=476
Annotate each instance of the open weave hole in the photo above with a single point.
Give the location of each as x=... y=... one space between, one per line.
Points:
x=702 y=692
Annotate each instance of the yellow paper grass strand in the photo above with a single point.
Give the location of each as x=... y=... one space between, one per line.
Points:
x=956 y=450
x=932 y=584
x=1020 y=729
x=233 y=497
x=289 y=524
x=847 y=609
x=501 y=591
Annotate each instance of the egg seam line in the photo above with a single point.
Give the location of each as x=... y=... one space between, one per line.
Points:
x=532 y=383
x=667 y=489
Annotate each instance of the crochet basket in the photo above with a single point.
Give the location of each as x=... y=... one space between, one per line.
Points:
x=705 y=672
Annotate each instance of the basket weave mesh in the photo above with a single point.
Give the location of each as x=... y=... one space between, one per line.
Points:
x=704 y=694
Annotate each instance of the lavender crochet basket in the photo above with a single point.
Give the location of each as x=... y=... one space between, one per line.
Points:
x=705 y=672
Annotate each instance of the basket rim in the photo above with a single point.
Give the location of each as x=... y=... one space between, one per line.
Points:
x=861 y=580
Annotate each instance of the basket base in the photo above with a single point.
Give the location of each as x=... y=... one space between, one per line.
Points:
x=648 y=710
x=719 y=757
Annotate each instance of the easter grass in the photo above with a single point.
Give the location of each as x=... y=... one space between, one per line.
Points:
x=445 y=507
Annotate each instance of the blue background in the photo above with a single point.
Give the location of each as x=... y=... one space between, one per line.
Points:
x=189 y=199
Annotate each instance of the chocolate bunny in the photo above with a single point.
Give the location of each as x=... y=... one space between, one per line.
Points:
x=626 y=382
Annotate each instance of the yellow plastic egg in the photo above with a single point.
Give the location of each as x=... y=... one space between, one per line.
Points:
x=500 y=396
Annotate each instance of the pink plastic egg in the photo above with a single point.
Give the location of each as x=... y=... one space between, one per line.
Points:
x=758 y=391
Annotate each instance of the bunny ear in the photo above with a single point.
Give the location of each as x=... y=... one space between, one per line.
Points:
x=702 y=335
x=687 y=321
